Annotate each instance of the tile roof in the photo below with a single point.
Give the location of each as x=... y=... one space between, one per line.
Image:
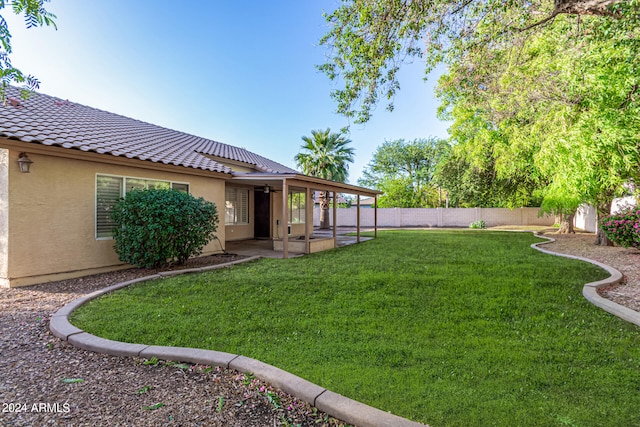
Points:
x=48 y=120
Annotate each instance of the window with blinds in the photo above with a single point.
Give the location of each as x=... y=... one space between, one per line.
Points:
x=236 y=209
x=110 y=189
x=108 y=192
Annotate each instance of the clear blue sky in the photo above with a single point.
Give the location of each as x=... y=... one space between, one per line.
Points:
x=238 y=72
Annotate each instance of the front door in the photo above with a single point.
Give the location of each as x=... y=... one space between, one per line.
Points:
x=262 y=217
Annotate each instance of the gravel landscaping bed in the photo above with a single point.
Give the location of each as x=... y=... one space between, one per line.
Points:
x=45 y=381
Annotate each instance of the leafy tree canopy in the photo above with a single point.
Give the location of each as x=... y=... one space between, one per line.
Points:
x=35 y=15
x=405 y=171
x=370 y=39
x=469 y=177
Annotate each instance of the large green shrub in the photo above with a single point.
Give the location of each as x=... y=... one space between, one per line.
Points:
x=157 y=227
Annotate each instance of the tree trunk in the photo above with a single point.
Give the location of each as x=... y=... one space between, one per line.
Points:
x=566 y=224
x=557 y=218
x=602 y=239
x=324 y=211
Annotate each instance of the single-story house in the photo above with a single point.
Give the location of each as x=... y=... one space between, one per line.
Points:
x=63 y=165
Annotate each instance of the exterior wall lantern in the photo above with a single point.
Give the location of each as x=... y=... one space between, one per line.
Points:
x=266 y=189
x=24 y=162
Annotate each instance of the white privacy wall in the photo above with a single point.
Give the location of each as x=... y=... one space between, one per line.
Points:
x=587 y=218
x=437 y=217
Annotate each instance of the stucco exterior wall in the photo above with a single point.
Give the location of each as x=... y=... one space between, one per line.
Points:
x=239 y=232
x=4 y=217
x=586 y=218
x=51 y=232
x=277 y=229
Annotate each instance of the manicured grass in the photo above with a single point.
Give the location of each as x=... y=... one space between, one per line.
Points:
x=451 y=328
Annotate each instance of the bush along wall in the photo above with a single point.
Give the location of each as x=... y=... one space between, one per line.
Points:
x=157 y=227
x=623 y=228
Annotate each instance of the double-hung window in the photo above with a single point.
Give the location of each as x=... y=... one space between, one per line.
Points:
x=236 y=206
x=110 y=189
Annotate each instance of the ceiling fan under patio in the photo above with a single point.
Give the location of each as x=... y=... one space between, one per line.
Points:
x=266 y=189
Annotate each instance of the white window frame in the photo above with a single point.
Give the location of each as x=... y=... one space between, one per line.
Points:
x=123 y=193
x=236 y=211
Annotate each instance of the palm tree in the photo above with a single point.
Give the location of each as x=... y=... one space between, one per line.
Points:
x=325 y=155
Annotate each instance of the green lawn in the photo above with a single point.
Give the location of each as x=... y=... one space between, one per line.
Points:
x=451 y=328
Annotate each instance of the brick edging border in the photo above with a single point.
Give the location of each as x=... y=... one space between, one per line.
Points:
x=336 y=405
x=590 y=290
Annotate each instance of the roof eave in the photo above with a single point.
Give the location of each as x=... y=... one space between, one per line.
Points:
x=318 y=183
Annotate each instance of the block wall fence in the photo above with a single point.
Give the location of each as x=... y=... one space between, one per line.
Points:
x=585 y=218
x=436 y=217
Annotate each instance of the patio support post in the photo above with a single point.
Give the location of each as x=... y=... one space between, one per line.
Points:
x=375 y=216
x=335 y=219
x=358 y=220
x=307 y=198
x=285 y=219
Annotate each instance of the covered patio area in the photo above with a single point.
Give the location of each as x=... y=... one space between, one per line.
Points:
x=283 y=214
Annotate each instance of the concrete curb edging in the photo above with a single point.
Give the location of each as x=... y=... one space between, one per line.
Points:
x=336 y=405
x=589 y=290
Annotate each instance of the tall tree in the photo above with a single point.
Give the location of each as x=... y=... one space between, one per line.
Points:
x=326 y=155
x=35 y=15
x=405 y=171
x=566 y=106
x=556 y=81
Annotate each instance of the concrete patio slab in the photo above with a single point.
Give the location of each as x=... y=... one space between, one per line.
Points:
x=265 y=247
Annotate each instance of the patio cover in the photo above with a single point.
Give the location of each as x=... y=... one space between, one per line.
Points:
x=284 y=182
